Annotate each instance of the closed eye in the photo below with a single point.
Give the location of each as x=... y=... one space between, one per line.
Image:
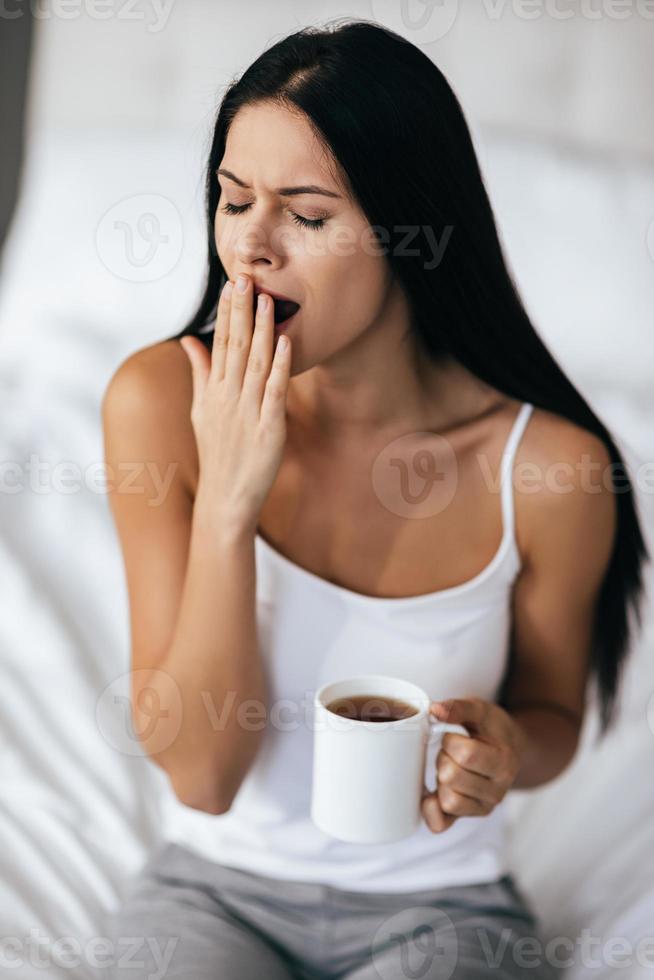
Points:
x=315 y=223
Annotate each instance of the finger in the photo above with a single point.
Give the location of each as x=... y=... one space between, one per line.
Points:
x=432 y=814
x=474 y=714
x=452 y=776
x=274 y=398
x=241 y=322
x=458 y=805
x=221 y=333
x=200 y=364
x=261 y=350
x=471 y=754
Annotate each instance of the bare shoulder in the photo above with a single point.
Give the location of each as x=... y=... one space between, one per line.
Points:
x=149 y=370
x=148 y=403
x=550 y=439
x=564 y=498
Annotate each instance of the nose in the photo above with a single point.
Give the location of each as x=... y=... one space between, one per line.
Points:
x=256 y=244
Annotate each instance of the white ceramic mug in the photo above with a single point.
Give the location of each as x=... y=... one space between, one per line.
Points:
x=369 y=776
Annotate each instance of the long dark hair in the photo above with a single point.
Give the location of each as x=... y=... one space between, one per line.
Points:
x=391 y=121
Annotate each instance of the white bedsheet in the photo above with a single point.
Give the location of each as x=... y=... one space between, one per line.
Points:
x=78 y=802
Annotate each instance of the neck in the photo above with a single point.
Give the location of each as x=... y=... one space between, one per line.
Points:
x=348 y=406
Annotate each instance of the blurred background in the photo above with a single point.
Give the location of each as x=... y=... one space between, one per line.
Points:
x=107 y=108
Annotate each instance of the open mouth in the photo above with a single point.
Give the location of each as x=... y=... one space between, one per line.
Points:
x=284 y=309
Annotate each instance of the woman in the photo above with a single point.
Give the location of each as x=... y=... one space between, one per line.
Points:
x=328 y=513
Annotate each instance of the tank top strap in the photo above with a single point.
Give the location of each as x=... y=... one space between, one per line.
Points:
x=508 y=457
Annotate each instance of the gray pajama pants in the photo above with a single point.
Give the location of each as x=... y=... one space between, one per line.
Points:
x=187 y=918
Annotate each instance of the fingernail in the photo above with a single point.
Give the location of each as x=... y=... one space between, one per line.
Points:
x=242 y=284
x=227 y=289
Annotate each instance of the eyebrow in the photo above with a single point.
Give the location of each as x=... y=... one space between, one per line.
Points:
x=283 y=191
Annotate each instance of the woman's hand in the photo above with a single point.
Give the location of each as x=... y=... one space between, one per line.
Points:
x=476 y=771
x=239 y=405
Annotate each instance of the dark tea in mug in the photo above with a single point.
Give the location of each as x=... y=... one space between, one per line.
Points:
x=371 y=707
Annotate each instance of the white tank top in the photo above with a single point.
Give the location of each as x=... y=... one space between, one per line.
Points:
x=453 y=643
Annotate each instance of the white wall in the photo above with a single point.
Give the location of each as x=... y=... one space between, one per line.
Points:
x=578 y=71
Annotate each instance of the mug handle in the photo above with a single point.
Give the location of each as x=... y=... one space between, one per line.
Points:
x=436 y=730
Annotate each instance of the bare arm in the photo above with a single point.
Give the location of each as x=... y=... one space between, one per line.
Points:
x=196 y=671
x=213 y=675
x=191 y=584
x=530 y=736
x=571 y=534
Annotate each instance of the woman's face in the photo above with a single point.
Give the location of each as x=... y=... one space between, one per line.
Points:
x=334 y=268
